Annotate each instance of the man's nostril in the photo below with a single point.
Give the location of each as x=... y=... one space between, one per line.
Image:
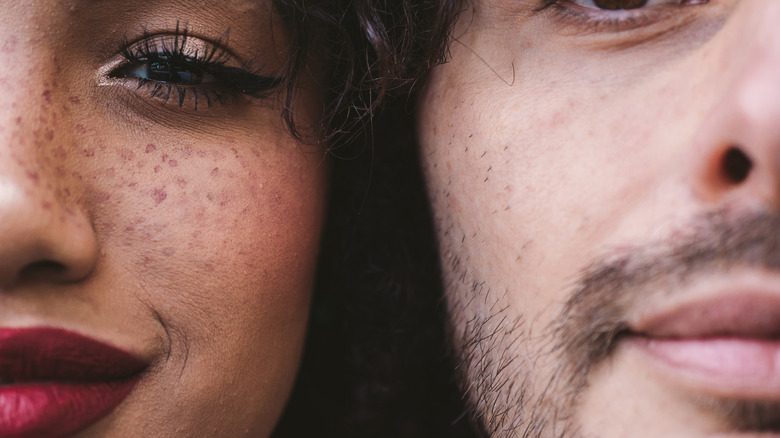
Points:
x=736 y=165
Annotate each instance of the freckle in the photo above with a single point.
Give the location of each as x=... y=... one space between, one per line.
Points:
x=9 y=45
x=74 y=100
x=150 y=148
x=49 y=135
x=47 y=95
x=159 y=195
x=102 y=196
x=157 y=169
x=126 y=154
x=173 y=163
x=215 y=171
x=168 y=251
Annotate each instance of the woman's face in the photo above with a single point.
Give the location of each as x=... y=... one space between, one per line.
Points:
x=159 y=225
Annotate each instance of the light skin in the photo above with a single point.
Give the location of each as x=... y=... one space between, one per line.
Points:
x=605 y=189
x=185 y=236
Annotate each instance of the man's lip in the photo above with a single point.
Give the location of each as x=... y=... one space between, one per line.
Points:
x=53 y=354
x=725 y=345
x=744 y=314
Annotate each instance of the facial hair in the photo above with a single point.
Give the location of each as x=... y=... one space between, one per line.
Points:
x=497 y=358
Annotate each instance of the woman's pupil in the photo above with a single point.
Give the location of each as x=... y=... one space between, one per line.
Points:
x=168 y=71
x=614 y=5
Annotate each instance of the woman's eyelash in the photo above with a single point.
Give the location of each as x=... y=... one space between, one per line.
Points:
x=182 y=68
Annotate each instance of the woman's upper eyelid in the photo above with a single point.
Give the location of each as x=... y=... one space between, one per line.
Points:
x=181 y=41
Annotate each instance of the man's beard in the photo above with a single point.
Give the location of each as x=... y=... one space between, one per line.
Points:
x=498 y=360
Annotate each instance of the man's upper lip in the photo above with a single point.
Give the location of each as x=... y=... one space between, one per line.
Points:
x=53 y=354
x=741 y=314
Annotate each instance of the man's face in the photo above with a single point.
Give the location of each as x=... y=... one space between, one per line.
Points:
x=606 y=185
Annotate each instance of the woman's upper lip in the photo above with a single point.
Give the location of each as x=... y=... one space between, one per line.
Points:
x=737 y=314
x=52 y=354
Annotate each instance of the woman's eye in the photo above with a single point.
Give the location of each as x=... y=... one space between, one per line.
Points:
x=185 y=70
x=168 y=71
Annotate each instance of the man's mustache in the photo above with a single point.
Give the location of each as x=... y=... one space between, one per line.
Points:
x=588 y=327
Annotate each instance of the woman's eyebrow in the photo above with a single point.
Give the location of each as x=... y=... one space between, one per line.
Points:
x=236 y=5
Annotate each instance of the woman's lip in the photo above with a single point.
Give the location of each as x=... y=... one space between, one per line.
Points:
x=57 y=409
x=57 y=382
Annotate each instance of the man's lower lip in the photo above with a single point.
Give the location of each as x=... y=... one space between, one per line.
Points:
x=721 y=366
x=55 y=409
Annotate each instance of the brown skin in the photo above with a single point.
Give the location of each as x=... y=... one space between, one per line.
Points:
x=188 y=238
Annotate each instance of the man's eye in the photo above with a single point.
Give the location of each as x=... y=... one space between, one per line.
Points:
x=613 y=5
x=615 y=16
x=627 y=5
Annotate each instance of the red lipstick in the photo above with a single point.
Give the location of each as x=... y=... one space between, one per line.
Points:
x=54 y=383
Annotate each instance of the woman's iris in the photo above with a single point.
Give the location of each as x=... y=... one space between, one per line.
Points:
x=169 y=72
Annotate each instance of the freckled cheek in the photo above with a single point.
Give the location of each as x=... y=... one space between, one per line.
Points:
x=280 y=226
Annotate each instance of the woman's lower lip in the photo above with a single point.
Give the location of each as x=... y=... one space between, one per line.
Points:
x=57 y=409
x=722 y=366
x=54 y=382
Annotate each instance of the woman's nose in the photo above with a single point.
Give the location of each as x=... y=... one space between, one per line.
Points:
x=45 y=236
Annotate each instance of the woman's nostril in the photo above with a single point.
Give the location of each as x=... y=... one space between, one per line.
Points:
x=42 y=268
x=736 y=165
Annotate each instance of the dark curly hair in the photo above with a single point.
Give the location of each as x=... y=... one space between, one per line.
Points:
x=371 y=49
x=375 y=364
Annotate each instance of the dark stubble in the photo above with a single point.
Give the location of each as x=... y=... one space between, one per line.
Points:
x=497 y=370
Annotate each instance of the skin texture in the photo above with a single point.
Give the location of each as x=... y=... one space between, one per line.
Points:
x=188 y=238
x=590 y=178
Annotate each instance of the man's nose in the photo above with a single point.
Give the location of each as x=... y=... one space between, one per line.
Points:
x=737 y=149
x=44 y=235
